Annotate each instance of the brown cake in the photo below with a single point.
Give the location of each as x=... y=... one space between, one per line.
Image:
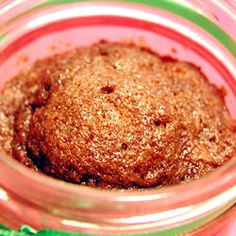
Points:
x=117 y=116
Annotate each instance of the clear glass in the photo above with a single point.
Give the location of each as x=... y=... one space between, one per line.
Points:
x=202 y=34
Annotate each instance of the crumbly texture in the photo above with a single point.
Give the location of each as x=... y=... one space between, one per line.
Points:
x=115 y=116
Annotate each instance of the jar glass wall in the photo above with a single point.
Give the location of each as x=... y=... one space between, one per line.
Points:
x=187 y=30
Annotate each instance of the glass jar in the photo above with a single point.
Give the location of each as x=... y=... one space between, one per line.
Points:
x=200 y=32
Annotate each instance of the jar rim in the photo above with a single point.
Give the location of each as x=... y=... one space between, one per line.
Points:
x=181 y=195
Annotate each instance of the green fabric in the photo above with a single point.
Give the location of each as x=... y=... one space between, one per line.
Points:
x=4 y=231
x=28 y=231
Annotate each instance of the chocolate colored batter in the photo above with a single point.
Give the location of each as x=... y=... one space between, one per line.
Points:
x=117 y=116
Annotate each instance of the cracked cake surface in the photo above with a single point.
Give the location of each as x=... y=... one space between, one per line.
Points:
x=115 y=115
